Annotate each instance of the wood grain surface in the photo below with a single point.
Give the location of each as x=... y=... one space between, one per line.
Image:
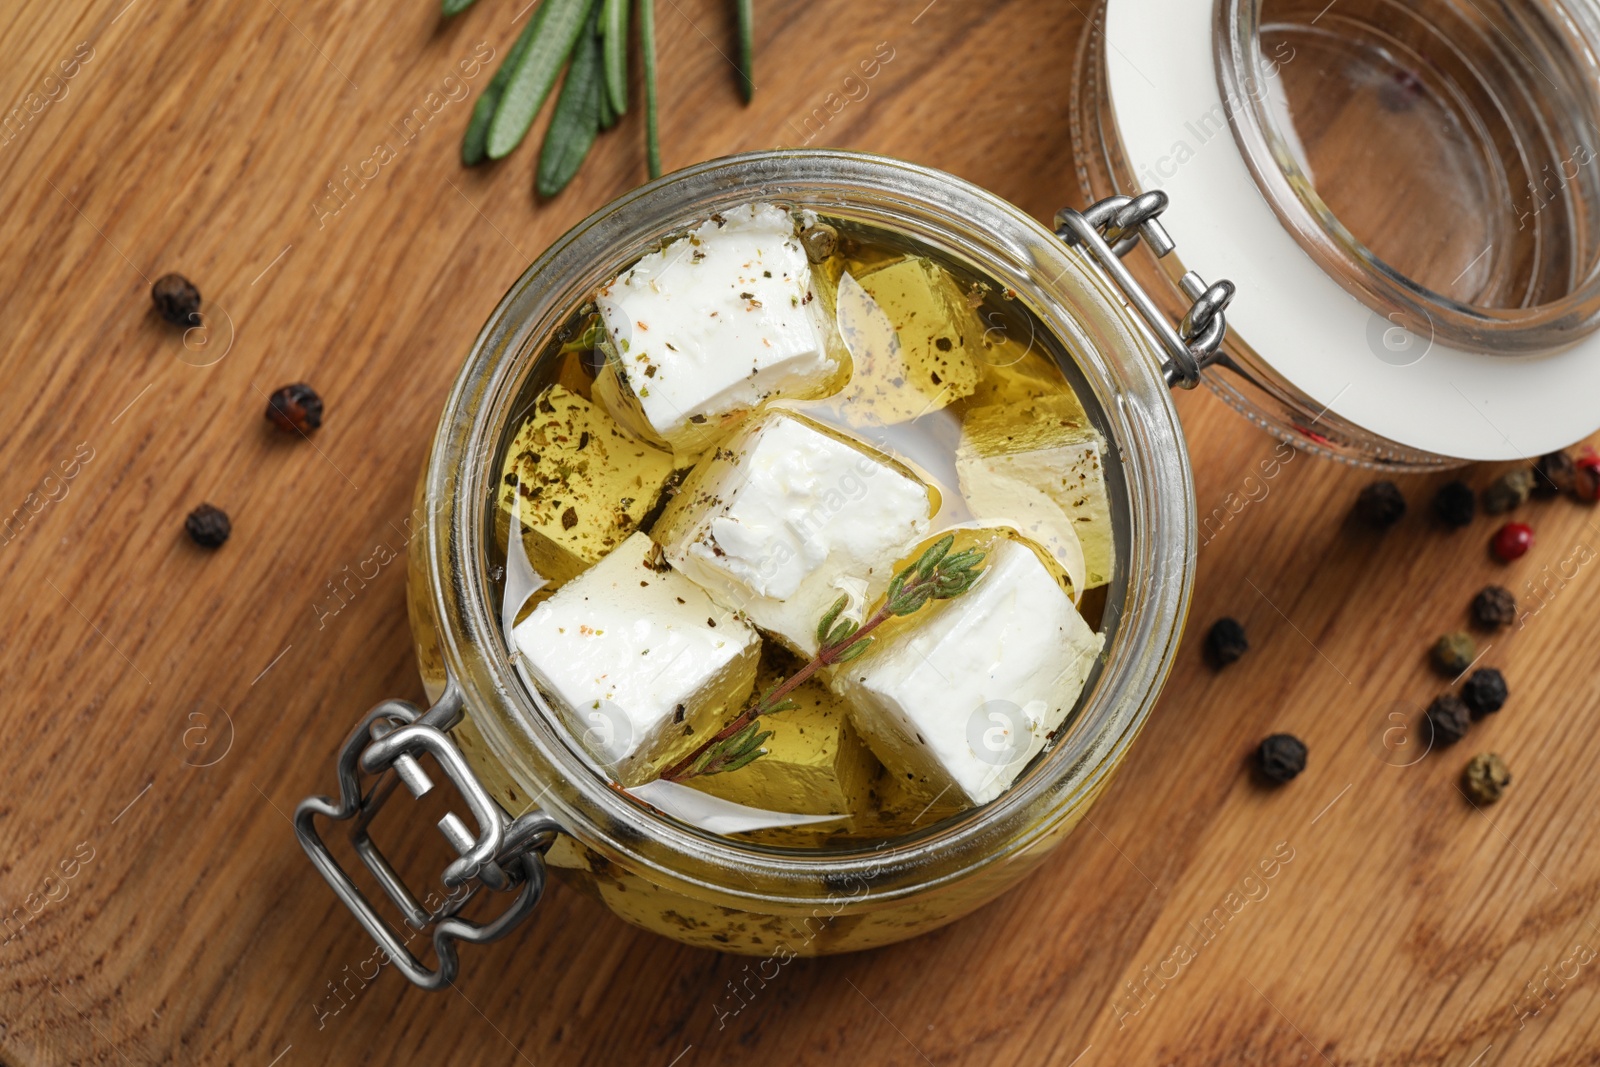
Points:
x=165 y=707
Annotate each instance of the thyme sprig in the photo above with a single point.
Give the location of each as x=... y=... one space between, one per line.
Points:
x=936 y=575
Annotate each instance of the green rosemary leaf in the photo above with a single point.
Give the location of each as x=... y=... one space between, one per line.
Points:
x=747 y=48
x=854 y=650
x=647 y=48
x=895 y=588
x=739 y=742
x=557 y=27
x=474 y=140
x=576 y=121
x=826 y=624
x=454 y=7
x=614 y=27
x=473 y=144
x=782 y=705
x=704 y=760
x=961 y=561
x=930 y=559
x=912 y=602
x=842 y=633
x=746 y=758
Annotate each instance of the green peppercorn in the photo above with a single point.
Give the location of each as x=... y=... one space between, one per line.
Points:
x=1454 y=653
x=1509 y=491
x=1485 y=778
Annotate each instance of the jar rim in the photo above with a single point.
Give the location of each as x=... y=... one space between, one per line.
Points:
x=1113 y=352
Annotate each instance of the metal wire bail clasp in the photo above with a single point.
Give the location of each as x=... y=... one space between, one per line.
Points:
x=1109 y=230
x=504 y=855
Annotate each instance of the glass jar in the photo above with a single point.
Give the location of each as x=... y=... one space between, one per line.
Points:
x=1404 y=191
x=521 y=772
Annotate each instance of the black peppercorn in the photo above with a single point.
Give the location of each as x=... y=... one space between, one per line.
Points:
x=1455 y=504
x=1380 y=505
x=1554 y=474
x=176 y=299
x=1226 y=642
x=295 y=408
x=1453 y=653
x=1281 y=757
x=208 y=526
x=1485 y=692
x=1508 y=492
x=1485 y=778
x=1449 y=718
x=1494 y=607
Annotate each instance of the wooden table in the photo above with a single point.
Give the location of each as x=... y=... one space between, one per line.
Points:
x=167 y=707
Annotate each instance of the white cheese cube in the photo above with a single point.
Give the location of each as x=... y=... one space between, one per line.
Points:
x=783 y=519
x=969 y=691
x=712 y=325
x=638 y=661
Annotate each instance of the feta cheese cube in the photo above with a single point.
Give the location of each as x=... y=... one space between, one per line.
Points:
x=707 y=328
x=577 y=482
x=1010 y=454
x=786 y=517
x=638 y=661
x=965 y=694
x=911 y=337
x=816 y=763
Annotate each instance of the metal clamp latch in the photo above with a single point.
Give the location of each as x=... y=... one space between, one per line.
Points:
x=1109 y=230
x=504 y=855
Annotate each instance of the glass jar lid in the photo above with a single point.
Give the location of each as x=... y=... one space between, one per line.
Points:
x=1403 y=192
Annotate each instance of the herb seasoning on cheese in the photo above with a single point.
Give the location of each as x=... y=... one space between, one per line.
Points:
x=826 y=536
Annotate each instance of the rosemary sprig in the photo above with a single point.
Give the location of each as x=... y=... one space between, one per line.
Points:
x=936 y=575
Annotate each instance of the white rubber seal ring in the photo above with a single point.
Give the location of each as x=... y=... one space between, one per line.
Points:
x=1416 y=392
